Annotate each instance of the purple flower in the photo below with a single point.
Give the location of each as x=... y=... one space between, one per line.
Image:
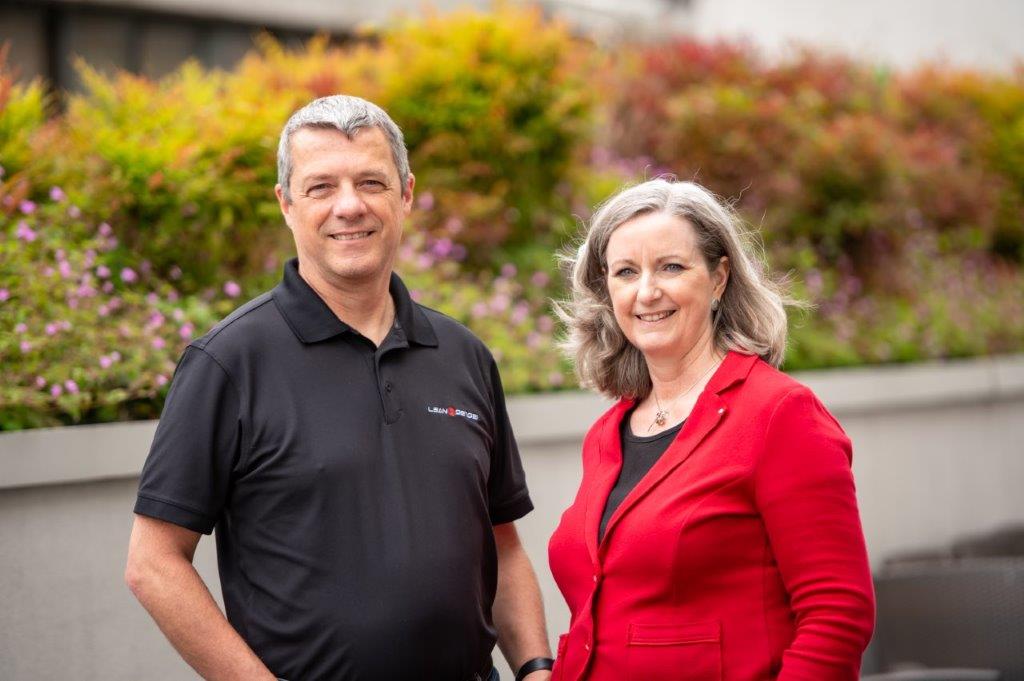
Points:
x=74 y=212
x=152 y=298
x=145 y=266
x=159 y=343
x=161 y=379
x=20 y=328
x=500 y=302
x=4 y=295
x=24 y=232
x=104 y=229
x=56 y=390
x=40 y=382
x=128 y=275
x=508 y=270
x=232 y=290
x=24 y=346
x=478 y=310
x=90 y=257
x=27 y=207
x=86 y=291
x=102 y=271
x=442 y=248
x=107 y=287
x=520 y=312
x=57 y=194
x=175 y=272
x=52 y=329
x=106 y=361
x=155 y=320
x=65 y=269
x=186 y=331
x=71 y=387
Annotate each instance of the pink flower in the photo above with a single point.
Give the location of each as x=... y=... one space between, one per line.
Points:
x=106 y=361
x=478 y=310
x=102 y=271
x=175 y=272
x=159 y=343
x=40 y=382
x=65 y=269
x=178 y=314
x=161 y=380
x=4 y=295
x=107 y=287
x=426 y=201
x=128 y=275
x=508 y=270
x=74 y=212
x=520 y=312
x=232 y=290
x=27 y=207
x=20 y=327
x=52 y=329
x=545 y=324
x=442 y=248
x=25 y=347
x=540 y=279
x=116 y=356
x=56 y=390
x=57 y=194
x=104 y=229
x=152 y=298
x=24 y=232
x=71 y=387
x=186 y=331
x=500 y=302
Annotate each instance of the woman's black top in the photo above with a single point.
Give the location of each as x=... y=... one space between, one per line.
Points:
x=639 y=454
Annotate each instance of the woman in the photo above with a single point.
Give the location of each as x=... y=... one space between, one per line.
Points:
x=715 y=534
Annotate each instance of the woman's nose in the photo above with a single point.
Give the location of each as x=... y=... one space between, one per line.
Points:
x=649 y=290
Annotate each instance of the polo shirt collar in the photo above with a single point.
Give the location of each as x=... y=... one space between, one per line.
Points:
x=312 y=321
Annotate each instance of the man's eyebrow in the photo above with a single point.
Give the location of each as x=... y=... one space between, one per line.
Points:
x=316 y=177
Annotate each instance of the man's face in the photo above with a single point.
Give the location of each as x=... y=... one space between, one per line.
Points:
x=347 y=205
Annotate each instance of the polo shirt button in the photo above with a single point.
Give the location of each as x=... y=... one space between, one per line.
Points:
x=387 y=386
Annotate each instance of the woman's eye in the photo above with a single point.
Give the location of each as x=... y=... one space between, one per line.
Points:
x=625 y=272
x=674 y=267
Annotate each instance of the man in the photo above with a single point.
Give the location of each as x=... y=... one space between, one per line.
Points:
x=351 y=448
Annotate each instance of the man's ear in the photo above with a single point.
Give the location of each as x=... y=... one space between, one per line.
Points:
x=407 y=195
x=284 y=204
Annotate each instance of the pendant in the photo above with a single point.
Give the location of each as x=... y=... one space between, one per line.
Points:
x=660 y=417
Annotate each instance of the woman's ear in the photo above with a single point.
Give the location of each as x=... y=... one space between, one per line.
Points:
x=720 y=276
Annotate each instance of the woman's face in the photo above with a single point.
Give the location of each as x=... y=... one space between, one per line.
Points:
x=660 y=286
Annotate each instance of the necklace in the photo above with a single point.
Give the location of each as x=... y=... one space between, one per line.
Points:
x=661 y=416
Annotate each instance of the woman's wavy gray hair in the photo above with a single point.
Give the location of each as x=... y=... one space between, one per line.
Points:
x=751 y=316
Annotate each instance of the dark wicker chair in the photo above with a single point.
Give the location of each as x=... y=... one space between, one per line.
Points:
x=957 y=613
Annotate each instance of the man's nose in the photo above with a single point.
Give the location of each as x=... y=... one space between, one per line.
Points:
x=348 y=204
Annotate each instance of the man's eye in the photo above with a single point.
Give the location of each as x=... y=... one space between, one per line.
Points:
x=318 y=188
x=375 y=185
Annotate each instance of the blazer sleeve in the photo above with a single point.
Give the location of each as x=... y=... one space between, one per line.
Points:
x=805 y=493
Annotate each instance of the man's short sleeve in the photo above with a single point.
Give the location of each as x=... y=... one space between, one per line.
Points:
x=508 y=496
x=187 y=475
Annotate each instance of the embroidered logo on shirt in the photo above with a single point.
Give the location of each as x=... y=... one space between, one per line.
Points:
x=452 y=411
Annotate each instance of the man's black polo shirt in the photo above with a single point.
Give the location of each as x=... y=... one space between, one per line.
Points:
x=353 y=488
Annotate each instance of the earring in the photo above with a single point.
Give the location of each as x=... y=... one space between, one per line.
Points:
x=714 y=304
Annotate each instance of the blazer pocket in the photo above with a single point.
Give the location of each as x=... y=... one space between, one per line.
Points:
x=670 y=652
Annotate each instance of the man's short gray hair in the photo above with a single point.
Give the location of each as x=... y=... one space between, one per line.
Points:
x=348 y=115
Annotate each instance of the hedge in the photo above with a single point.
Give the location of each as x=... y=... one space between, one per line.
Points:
x=144 y=211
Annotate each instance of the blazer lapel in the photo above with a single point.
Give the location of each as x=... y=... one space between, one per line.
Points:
x=707 y=413
x=608 y=466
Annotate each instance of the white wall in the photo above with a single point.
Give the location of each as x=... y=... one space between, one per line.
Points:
x=983 y=33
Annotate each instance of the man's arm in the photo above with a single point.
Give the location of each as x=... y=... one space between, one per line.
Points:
x=161 y=576
x=518 y=612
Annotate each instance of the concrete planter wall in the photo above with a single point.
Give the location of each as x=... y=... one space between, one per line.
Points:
x=937 y=453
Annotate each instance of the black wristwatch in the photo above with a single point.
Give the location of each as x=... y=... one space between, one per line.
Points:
x=534 y=665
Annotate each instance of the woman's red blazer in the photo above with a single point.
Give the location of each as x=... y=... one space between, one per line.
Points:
x=738 y=557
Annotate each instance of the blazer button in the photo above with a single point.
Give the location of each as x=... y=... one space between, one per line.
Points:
x=721 y=411
x=586 y=646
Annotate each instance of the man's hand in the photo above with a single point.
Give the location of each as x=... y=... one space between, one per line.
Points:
x=518 y=612
x=161 y=575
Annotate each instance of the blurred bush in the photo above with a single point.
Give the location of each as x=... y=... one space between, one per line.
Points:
x=145 y=211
